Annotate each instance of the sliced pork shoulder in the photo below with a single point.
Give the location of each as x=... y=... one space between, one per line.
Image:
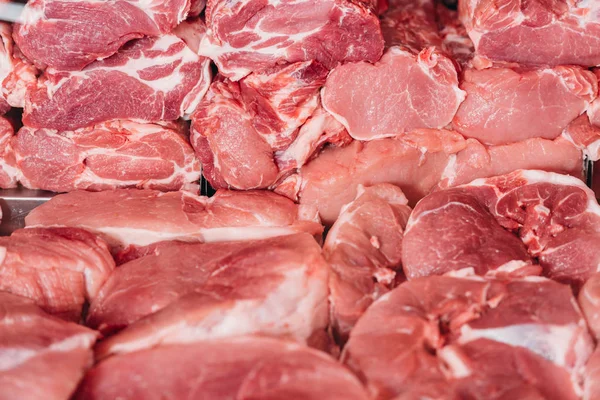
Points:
x=506 y=224
x=106 y=156
x=56 y=34
x=129 y=217
x=9 y=172
x=364 y=249
x=237 y=368
x=183 y=292
x=158 y=79
x=15 y=72
x=59 y=268
x=42 y=357
x=457 y=338
x=252 y=35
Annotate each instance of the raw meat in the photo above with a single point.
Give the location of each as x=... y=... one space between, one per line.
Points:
x=418 y=162
x=411 y=24
x=57 y=34
x=158 y=79
x=252 y=35
x=505 y=105
x=592 y=377
x=129 y=217
x=191 y=31
x=503 y=223
x=455 y=40
x=589 y=300
x=239 y=126
x=59 y=268
x=15 y=72
x=400 y=93
x=470 y=338
x=521 y=31
x=9 y=173
x=238 y=368
x=108 y=155
x=364 y=249
x=184 y=292
x=42 y=357
x=584 y=136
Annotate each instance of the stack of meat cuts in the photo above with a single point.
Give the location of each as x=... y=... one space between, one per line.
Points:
x=300 y=199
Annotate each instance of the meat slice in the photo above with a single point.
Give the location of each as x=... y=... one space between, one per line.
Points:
x=129 y=217
x=417 y=163
x=458 y=338
x=364 y=250
x=9 y=173
x=158 y=79
x=584 y=136
x=275 y=287
x=238 y=368
x=239 y=126
x=506 y=105
x=251 y=35
x=589 y=301
x=15 y=72
x=518 y=31
x=108 y=155
x=42 y=357
x=592 y=377
x=59 y=268
x=505 y=223
x=54 y=33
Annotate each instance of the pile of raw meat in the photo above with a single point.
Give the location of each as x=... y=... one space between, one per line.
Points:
x=401 y=208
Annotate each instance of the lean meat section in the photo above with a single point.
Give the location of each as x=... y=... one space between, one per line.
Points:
x=130 y=217
x=589 y=301
x=469 y=338
x=505 y=105
x=509 y=223
x=525 y=32
x=57 y=34
x=15 y=72
x=184 y=292
x=9 y=173
x=252 y=35
x=109 y=155
x=59 y=268
x=42 y=357
x=158 y=79
x=418 y=162
x=364 y=249
x=239 y=126
x=237 y=368
x=584 y=136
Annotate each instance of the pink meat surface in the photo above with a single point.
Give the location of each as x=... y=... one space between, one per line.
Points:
x=274 y=287
x=158 y=79
x=59 y=268
x=238 y=368
x=110 y=155
x=364 y=250
x=42 y=357
x=411 y=24
x=15 y=73
x=589 y=301
x=521 y=31
x=584 y=136
x=507 y=224
x=130 y=217
x=458 y=338
x=9 y=172
x=417 y=163
x=54 y=33
x=239 y=127
x=592 y=377
x=505 y=105
x=251 y=35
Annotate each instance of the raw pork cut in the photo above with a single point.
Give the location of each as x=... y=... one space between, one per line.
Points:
x=183 y=292
x=418 y=162
x=129 y=217
x=364 y=249
x=158 y=79
x=539 y=32
x=9 y=173
x=411 y=24
x=42 y=357
x=592 y=377
x=59 y=268
x=506 y=105
x=238 y=368
x=15 y=72
x=108 y=155
x=503 y=223
x=238 y=127
x=252 y=35
x=584 y=136
x=455 y=40
x=70 y=34
x=589 y=301
x=470 y=338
